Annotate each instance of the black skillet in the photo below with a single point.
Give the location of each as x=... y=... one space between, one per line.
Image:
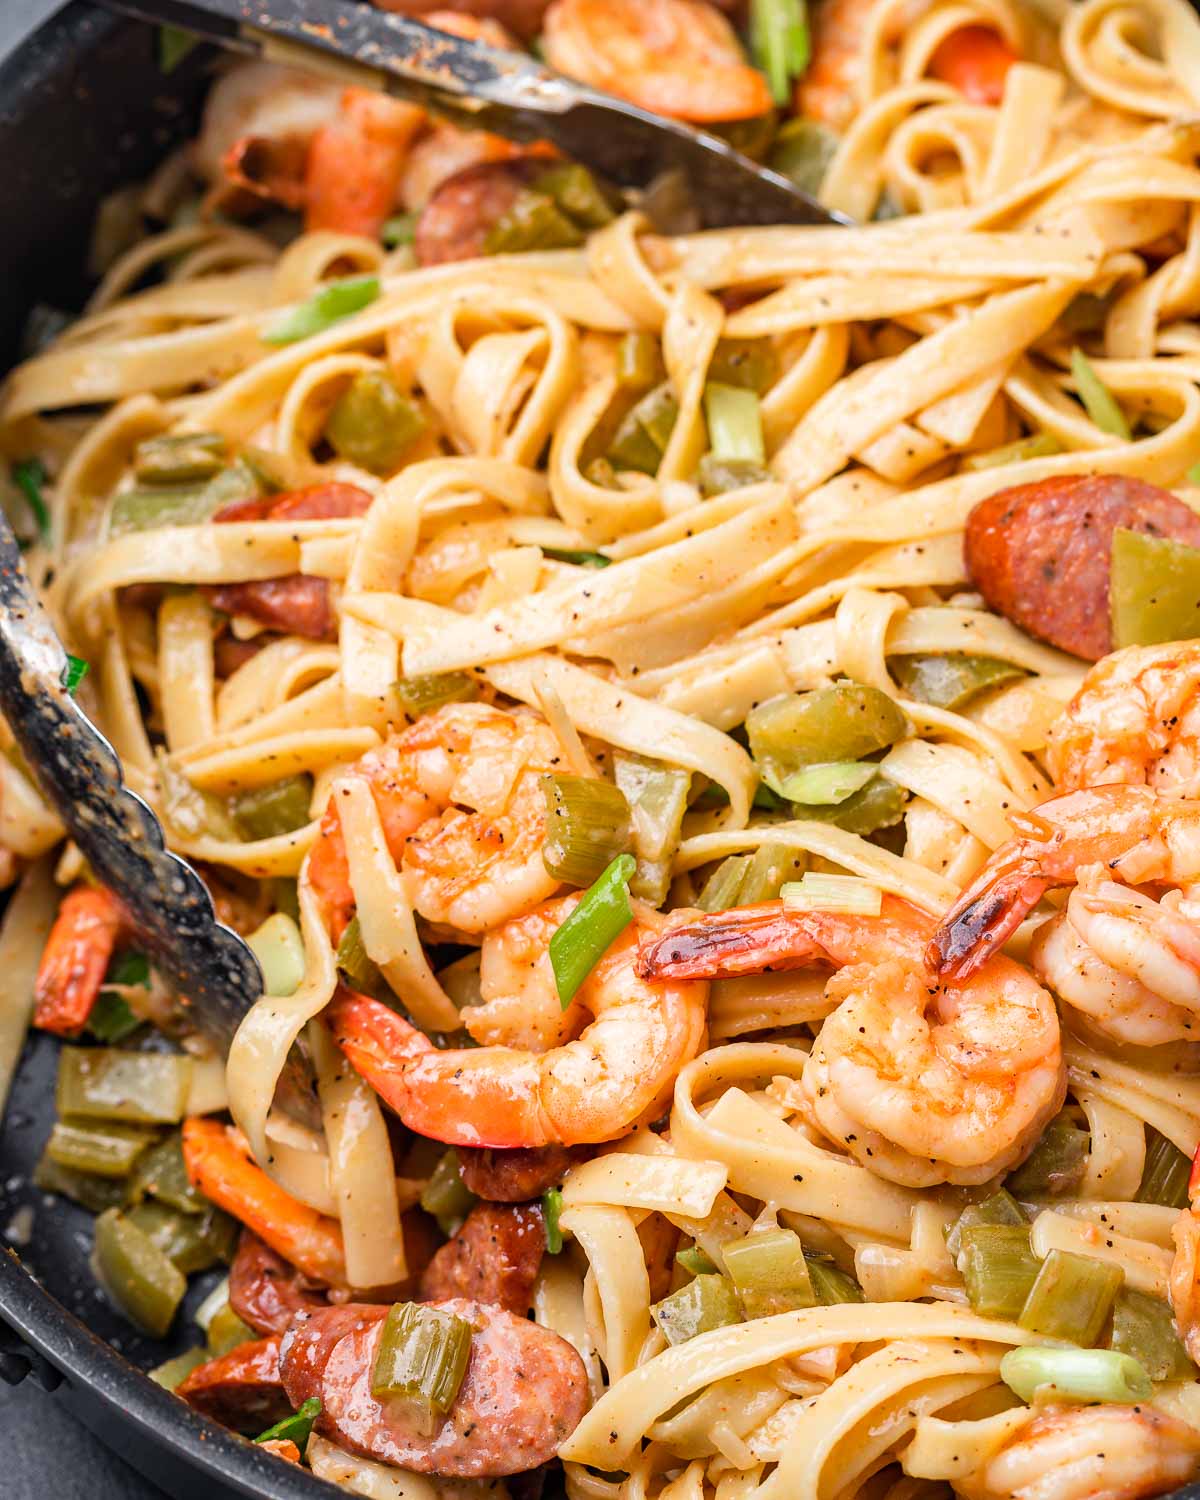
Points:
x=83 y=109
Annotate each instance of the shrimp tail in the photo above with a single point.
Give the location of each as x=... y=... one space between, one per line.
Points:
x=749 y=940
x=983 y=918
x=89 y=925
x=379 y=1044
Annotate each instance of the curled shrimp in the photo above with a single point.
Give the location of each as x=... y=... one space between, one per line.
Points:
x=921 y=1082
x=675 y=57
x=1090 y=1453
x=1135 y=719
x=461 y=804
x=633 y=1038
x=90 y=924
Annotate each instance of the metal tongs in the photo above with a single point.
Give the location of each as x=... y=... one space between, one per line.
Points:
x=508 y=93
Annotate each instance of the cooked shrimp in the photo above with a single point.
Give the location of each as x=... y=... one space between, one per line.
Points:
x=219 y=1164
x=264 y=102
x=352 y=176
x=921 y=1082
x=460 y=799
x=520 y=1005
x=679 y=58
x=1135 y=719
x=617 y=1073
x=1091 y=1453
x=1136 y=835
x=90 y=924
x=1185 y=1268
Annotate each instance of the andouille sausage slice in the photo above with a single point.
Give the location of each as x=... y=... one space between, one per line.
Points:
x=514 y=1175
x=1040 y=553
x=524 y=1391
x=264 y=1290
x=242 y=1389
x=494 y=1257
x=455 y=223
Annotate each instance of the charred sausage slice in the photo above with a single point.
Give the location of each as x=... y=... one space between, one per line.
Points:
x=494 y=1257
x=241 y=1389
x=455 y=223
x=515 y=1175
x=264 y=1290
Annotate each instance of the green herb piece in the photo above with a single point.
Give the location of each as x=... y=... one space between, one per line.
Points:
x=373 y=424
x=769 y=1272
x=998 y=1267
x=586 y=935
x=111 y=1019
x=422 y=1355
x=297 y=1428
x=779 y=43
x=552 y=1202
x=950 y=679
x=328 y=305
x=74 y=672
x=446 y=1196
x=1099 y=402
x=1071 y=1298
x=29 y=476
x=705 y=1303
x=1154 y=589
x=1165 y=1174
x=734 y=424
x=1074 y=1375
x=587 y=826
x=135 y=1273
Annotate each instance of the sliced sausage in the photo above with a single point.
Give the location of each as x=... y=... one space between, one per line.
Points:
x=241 y=1389
x=264 y=1290
x=494 y=1257
x=306 y=1346
x=1040 y=553
x=513 y=1176
x=455 y=223
x=524 y=1391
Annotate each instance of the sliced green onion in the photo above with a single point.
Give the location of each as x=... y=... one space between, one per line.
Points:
x=421 y=695
x=353 y=961
x=106 y=1083
x=705 y=1303
x=1056 y=1164
x=1143 y=1327
x=718 y=476
x=767 y=871
x=949 y=679
x=1165 y=1175
x=639 y=362
x=74 y=672
x=769 y=1272
x=696 y=1262
x=1071 y=1298
x=278 y=808
x=587 y=826
x=829 y=784
x=400 y=229
x=779 y=42
x=1074 y=1375
x=586 y=935
x=1154 y=589
x=279 y=948
x=328 y=305
x=136 y=1274
x=580 y=558
x=831 y=1285
x=105 y=1148
x=422 y=1355
x=29 y=476
x=734 y=423
x=174 y=44
x=297 y=1428
x=723 y=888
x=552 y=1202
x=173 y=1372
x=1039 y=445
x=446 y=1196
x=373 y=424
x=840 y=893
x=181 y=458
x=1099 y=402
x=998 y=1268
x=999 y=1208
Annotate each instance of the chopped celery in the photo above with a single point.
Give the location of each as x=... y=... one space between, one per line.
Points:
x=587 y=826
x=352 y=960
x=644 y=432
x=328 y=305
x=422 y=1355
x=162 y=1174
x=279 y=948
x=831 y=1285
x=534 y=222
x=173 y=1372
x=950 y=679
x=297 y=1428
x=189 y=810
x=769 y=1272
x=1154 y=589
x=734 y=423
x=74 y=672
x=552 y=1202
x=1165 y=1175
x=599 y=919
x=780 y=43
x=420 y=695
x=639 y=362
x=705 y=1303
x=1098 y=401
x=1143 y=1327
x=136 y=1274
x=1071 y=1298
x=279 y=807
x=723 y=887
x=767 y=871
x=373 y=424
x=998 y=1208
x=1056 y=1164
x=846 y=722
x=1074 y=1375
x=577 y=193
x=85 y=1188
x=192 y=1242
x=829 y=784
x=802 y=152
x=446 y=1196
x=718 y=476
x=657 y=797
x=106 y=1148
x=106 y=1083
x=695 y=1261
x=880 y=804
x=752 y=364
x=998 y=1267
x=180 y=459
x=29 y=476
x=226 y=1331
x=1039 y=445
x=182 y=504
x=838 y=893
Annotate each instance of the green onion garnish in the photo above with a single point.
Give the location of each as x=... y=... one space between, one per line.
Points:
x=600 y=918
x=580 y=559
x=841 y=893
x=1099 y=402
x=174 y=44
x=734 y=423
x=1077 y=1374
x=29 y=476
x=73 y=673
x=779 y=41
x=551 y=1209
x=327 y=306
x=297 y=1428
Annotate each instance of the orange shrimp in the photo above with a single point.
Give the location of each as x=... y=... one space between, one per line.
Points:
x=219 y=1164
x=975 y=60
x=617 y=1073
x=675 y=57
x=352 y=178
x=90 y=924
